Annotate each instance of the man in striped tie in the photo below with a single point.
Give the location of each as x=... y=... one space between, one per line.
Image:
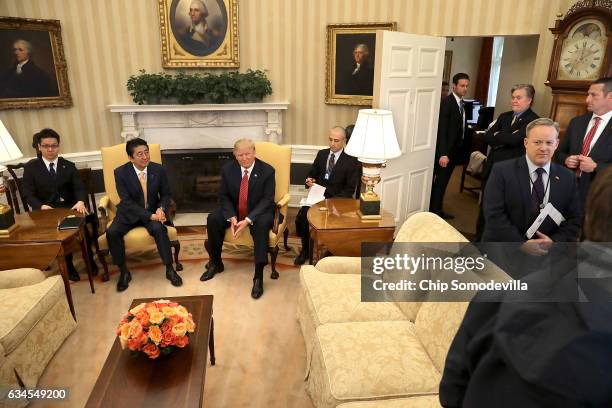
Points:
x=587 y=146
x=246 y=195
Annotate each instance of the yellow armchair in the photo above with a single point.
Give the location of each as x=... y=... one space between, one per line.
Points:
x=113 y=157
x=278 y=157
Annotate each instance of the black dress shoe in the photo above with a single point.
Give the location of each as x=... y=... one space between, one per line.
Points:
x=172 y=276
x=124 y=280
x=257 y=290
x=213 y=268
x=301 y=258
x=446 y=215
x=73 y=275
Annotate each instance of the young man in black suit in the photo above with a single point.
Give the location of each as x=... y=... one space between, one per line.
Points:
x=506 y=137
x=50 y=181
x=144 y=191
x=586 y=148
x=451 y=132
x=246 y=196
x=337 y=172
x=518 y=189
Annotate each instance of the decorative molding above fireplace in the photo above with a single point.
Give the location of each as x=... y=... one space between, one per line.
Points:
x=202 y=126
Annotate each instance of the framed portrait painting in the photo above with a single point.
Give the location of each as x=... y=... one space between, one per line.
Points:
x=351 y=51
x=33 y=71
x=199 y=33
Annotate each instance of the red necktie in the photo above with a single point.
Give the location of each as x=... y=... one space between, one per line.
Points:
x=586 y=145
x=242 y=198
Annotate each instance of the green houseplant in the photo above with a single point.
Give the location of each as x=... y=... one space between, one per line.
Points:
x=227 y=87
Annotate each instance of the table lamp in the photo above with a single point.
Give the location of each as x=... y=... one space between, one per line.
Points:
x=8 y=152
x=373 y=142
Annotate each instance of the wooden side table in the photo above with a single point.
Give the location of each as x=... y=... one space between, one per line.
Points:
x=339 y=229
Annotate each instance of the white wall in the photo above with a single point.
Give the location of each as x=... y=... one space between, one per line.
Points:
x=466 y=56
x=518 y=62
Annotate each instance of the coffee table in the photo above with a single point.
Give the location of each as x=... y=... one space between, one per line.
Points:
x=340 y=230
x=175 y=380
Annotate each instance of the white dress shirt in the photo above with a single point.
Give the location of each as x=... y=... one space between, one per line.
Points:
x=605 y=119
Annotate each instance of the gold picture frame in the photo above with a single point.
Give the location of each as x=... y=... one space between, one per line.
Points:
x=33 y=70
x=347 y=84
x=211 y=42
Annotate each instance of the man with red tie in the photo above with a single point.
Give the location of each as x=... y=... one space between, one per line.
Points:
x=246 y=195
x=587 y=146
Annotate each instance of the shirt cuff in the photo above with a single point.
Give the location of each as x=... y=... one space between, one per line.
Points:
x=248 y=220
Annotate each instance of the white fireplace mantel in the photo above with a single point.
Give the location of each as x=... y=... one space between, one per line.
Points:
x=203 y=125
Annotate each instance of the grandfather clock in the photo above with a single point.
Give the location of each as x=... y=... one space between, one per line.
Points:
x=581 y=54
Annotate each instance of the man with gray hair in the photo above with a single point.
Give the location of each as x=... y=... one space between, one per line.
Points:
x=520 y=189
x=200 y=38
x=24 y=79
x=358 y=79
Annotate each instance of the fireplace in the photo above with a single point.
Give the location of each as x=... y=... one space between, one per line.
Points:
x=194 y=177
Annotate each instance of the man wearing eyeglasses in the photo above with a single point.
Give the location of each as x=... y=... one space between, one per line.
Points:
x=519 y=189
x=50 y=181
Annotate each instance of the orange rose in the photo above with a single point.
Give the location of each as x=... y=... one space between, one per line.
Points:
x=181 y=311
x=151 y=350
x=181 y=341
x=156 y=317
x=155 y=334
x=189 y=325
x=125 y=331
x=143 y=318
x=138 y=308
x=173 y=304
x=135 y=329
x=168 y=311
x=167 y=338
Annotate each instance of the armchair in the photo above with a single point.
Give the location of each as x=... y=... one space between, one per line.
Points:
x=278 y=157
x=113 y=157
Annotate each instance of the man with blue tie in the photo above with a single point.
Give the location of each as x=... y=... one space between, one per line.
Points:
x=587 y=146
x=144 y=191
x=246 y=198
x=520 y=188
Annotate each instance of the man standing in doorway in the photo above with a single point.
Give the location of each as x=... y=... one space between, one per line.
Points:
x=451 y=132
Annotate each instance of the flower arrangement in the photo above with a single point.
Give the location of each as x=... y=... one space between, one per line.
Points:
x=156 y=328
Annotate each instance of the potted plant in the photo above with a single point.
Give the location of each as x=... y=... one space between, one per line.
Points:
x=227 y=87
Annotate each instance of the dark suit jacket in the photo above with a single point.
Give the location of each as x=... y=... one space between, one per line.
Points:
x=507 y=203
x=32 y=82
x=131 y=209
x=262 y=185
x=343 y=180
x=601 y=153
x=506 y=139
x=40 y=188
x=450 y=128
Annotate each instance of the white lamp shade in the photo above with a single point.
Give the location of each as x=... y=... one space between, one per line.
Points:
x=8 y=149
x=373 y=139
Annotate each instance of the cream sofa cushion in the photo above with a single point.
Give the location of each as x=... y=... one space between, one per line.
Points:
x=426 y=401
x=436 y=326
x=15 y=278
x=337 y=298
x=372 y=360
x=23 y=307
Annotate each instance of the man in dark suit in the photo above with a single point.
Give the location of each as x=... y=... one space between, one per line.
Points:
x=507 y=135
x=518 y=189
x=144 y=191
x=50 y=181
x=246 y=196
x=337 y=172
x=586 y=148
x=451 y=132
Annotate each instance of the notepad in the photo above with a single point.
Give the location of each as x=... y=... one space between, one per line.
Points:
x=70 y=222
x=316 y=194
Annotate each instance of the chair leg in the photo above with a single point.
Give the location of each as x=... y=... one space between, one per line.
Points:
x=101 y=258
x=177 y=248
x=273 y=255
x=285 y=238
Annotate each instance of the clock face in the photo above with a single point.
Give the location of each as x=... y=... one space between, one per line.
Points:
x=583 y=51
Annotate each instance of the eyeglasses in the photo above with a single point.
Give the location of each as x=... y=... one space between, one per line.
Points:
x=49 y=147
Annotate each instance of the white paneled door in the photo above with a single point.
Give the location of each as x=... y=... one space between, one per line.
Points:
x=407 y=81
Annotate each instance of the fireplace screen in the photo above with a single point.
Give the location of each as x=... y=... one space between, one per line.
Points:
x=194 y=177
